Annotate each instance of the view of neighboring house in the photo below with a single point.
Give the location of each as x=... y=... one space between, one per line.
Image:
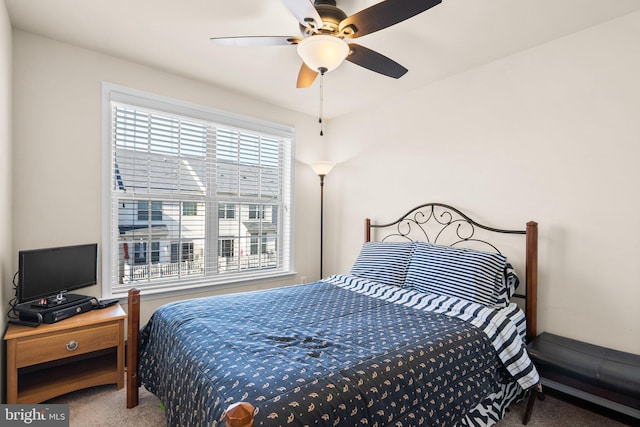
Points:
x=184 y=208
x=166 y=238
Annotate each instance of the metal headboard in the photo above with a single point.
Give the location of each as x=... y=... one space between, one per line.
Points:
x=442 y=224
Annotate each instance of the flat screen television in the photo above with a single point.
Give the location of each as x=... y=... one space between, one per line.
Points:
x=52 y=272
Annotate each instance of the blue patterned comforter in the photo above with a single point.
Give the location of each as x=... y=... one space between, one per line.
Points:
x=339 y=352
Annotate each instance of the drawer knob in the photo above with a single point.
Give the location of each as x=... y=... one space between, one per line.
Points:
x=72 y=345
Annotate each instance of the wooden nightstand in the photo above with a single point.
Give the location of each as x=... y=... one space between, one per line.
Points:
x=54 y=359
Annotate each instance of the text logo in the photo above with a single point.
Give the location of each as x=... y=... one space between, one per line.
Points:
x=34 y=415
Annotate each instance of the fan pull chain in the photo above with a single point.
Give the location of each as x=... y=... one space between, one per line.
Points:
x=322 y=71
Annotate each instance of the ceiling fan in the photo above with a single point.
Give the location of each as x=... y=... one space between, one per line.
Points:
x=325 y=27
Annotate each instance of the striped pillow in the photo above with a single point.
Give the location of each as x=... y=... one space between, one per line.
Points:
x=384 y=262
x=463 y=273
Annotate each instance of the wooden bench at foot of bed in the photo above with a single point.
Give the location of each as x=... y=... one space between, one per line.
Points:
x=606 y=377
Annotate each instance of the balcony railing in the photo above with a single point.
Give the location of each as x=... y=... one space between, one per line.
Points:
x=247 y=262
x=132 y=273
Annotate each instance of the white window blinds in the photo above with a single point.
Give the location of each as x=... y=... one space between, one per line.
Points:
x=184 y=191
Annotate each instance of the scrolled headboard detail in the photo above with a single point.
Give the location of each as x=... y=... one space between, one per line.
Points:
x=442 y=224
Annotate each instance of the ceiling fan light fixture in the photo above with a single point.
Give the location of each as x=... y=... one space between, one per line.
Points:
x=323 y=51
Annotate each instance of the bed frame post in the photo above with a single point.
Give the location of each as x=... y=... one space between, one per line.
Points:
x=532 y=280
x=239 y=415
x=133 y=328
x=367 y=230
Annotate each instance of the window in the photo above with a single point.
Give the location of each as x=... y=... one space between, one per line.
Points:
x=256 y=212
x=182 y=253
x=226 y=211
x=226 y=248
x=143 y=210
x=190 y=209
x=199 y=197
x=187 y=252
x=258 y=244
x=141 y=256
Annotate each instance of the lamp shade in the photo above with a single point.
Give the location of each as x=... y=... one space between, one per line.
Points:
x=323 y=51
x=322 y=168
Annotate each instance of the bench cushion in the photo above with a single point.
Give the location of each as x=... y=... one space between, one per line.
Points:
x=611 y=374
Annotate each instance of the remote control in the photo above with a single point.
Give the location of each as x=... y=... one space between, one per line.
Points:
x=106 y=303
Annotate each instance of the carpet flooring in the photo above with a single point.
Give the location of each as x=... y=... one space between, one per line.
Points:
x=105 y=406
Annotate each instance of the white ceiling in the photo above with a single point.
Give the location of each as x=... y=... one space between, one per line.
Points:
x=173 y=35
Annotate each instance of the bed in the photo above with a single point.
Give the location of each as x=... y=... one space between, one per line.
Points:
x=423 y=330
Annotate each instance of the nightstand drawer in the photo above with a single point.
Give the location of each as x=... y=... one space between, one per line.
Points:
x=36 y=350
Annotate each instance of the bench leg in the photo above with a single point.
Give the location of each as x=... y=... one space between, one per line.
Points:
x=530 y=402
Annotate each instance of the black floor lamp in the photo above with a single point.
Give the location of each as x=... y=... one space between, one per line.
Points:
x=322 y=169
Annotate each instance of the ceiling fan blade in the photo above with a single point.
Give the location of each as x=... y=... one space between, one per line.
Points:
x=304 y=12
x=306 y=76
x=256 y=40
x=375 y=61
x=382 y=15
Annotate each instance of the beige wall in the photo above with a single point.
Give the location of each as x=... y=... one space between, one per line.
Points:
x=57 y=145
x=6 y=250
x=551 y=134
